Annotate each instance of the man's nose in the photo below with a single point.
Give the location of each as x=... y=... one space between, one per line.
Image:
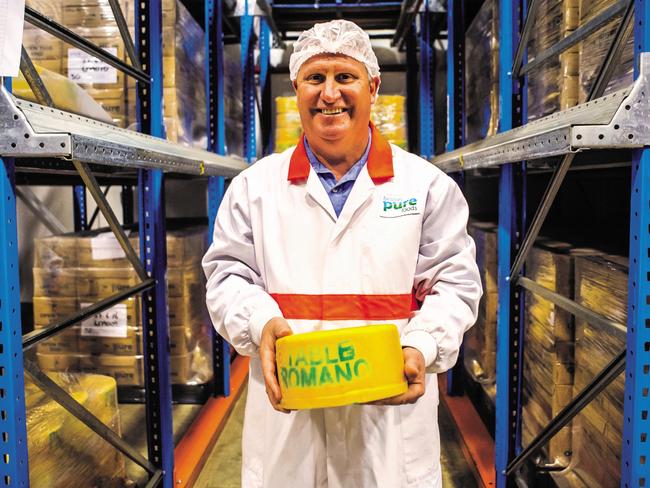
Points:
x=330 y=91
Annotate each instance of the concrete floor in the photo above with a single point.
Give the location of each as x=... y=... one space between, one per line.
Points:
x=134 y=431
x=222 y=470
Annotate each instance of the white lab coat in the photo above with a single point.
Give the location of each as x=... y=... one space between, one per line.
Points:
x=401 y=234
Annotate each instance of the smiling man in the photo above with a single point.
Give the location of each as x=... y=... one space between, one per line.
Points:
x=342 y=230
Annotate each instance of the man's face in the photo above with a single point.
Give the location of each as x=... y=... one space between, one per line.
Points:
x=334 y=97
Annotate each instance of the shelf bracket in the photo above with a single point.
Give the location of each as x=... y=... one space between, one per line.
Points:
x=629 y=127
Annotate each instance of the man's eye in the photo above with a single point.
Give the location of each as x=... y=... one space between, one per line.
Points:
x=344 y=77
x=315 y=78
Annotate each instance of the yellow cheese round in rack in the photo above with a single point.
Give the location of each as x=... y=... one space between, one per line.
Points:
x=340 y=367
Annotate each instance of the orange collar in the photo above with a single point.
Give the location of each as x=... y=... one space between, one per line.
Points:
x=380 y=159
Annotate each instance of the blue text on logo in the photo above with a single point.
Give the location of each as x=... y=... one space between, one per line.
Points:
x=398 y=204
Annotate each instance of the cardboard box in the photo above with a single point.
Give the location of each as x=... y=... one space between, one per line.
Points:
x=105 y=282
x=127 y=370
x=49 y=310
x=181 y=340
x=58 y=362
x=56 y=251
x=130 y=345
x=55 y=282
x=185 y=281
x=64 y=342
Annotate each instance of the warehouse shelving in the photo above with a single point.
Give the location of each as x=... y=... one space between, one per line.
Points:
x=615 y=121
x=39 y=139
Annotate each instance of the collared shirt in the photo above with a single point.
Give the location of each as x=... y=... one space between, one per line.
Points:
x=338 y=191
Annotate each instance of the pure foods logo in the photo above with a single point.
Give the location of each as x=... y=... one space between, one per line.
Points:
x=323 y=366
x=397 y=207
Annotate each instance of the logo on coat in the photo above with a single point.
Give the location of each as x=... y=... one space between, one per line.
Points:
x=399 y=207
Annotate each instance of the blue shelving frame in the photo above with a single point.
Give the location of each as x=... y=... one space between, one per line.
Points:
x=14 y=471
x=635 y=468
x=427 y=98
x=216 y=128
x=153 y=248
x=151 y=212
x=455 y=127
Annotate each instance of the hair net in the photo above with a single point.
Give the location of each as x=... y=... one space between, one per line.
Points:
x=335 y=37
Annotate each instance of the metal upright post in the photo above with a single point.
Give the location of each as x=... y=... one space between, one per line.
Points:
x=412 y=90
x=153 y=249
x=508 y=374
x=455 y=126
x=265 y=86
x=635 y=468
x=216 y=143
x=80 y=210
x=427 y=67
x=14 y=470
x=248 y=81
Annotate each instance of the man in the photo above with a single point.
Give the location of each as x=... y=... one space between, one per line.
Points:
x=342 y=230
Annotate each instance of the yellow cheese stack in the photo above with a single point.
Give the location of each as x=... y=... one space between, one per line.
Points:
x=75 y=270
x=62 y=450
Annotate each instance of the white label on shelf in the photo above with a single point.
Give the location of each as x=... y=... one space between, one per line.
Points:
x=12 y=15
x=109 y=323
x=85 y=68
x=106 y=246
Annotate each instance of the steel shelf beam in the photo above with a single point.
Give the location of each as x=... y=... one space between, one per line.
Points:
x=33 y=130
x=615 y=121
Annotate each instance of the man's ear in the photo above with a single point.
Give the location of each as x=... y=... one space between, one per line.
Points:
x=294 y=83
x=374 y=88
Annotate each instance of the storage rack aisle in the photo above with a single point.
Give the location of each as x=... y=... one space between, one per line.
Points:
x=38 y=139
x=604 y=121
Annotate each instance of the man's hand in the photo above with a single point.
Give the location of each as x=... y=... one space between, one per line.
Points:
x=414 y=369
x=274 y=329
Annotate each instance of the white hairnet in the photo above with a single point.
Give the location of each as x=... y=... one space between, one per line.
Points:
x=334 y=37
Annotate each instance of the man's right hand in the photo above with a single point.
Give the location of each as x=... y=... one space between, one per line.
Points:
x=274 y=329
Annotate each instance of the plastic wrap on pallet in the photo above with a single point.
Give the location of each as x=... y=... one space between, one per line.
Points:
x=601 y=286
x=389 y=116
x=553 y=85
x=594 y=48
x=73 y=271
x=482 y=73
x=287 y=123
x=65 y=94
x=43 y=48
x=62 y=450
x=233 y=106
x=184 y=100
x=548 y=363
x=480 y=340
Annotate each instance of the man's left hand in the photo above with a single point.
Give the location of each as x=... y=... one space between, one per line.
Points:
x=414 y=369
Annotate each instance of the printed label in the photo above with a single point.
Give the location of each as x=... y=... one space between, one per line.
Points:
x=316 y=366
x=109 y=323
x=399 y=206
x=106 y=246
x=85 y=68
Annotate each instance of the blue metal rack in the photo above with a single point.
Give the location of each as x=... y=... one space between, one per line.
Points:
x=149 y=156
x=635 y=469
x=506 y=151
x=14 y=471
x=216 y=143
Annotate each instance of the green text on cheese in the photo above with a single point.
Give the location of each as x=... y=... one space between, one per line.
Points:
x=323 y=366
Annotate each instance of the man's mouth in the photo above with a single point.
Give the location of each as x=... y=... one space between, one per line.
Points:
x=331 y=111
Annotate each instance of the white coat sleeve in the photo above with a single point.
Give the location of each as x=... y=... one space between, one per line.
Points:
x=236 y=295
x=447 y=281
